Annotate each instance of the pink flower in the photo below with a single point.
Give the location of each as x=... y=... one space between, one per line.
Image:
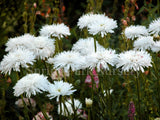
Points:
x=40 y=116
x=38 y=12
x=35 y=5
x=88 y=79
x=19 y=102
x=131 y=111
x=83 y=114
x=58 y=74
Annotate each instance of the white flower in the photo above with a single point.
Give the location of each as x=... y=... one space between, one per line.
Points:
x=88 y=102
x=133 y=31
x=15 y=59
x=154 y=27
x=31 y=84
x=101 y=59
x=68 y=110
x=97 y=23
x=24 y=41
x=86 y=46
x=134 y=60
x=143 y=43
x=56 y=30
x=60 y=88
x=156 y=46
x=158 y=118
x=66 y=60
x=103 y=26
x=88 y=19
x=43 y=47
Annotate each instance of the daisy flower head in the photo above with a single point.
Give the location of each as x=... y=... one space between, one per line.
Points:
x=88 y=19
x=156 y=46
x=31 y=84
x=15 y=59
x=43 y=47
x=55 y=30
x=143 y=43
x=86 y=46
x=103 y=26
x=60 y=88
x=135 y=31
x=154 y=27
x=66 y=60
x=69 y=104
x=134 y=60
x=24 y=41
x=102 y=59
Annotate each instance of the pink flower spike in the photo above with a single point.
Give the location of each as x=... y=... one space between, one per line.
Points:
x=88 y=79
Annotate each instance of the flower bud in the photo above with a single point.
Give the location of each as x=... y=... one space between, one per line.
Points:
x=88 y=102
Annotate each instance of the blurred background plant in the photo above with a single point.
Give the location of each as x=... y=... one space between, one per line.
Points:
x=28 y=16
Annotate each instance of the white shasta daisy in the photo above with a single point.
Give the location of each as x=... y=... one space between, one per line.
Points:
x=86 y=46
x=60 y=88
x=143 y=43
x=134 y=60
x=25 y=41
x=66 y=60
x=88 y=19
x=69 y=104
x=135 y=31
x=31 y=84
x=154 y=27
x=103 y=26
x=15 y=59
x=101 y=59
x=55 y=30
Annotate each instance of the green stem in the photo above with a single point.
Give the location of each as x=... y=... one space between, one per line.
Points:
x=25 y=109
x=89 y=114
x=60 y=102
x=95 y=46
x=138 y=95
x=57 y=46
x=31 y=108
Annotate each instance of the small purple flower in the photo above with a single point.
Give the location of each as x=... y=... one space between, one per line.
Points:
x=131 y=111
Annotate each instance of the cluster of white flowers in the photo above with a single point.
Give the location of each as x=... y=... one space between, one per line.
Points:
x=145 y=37
x=97 y=23
x=60 y=88
x=23 y=51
